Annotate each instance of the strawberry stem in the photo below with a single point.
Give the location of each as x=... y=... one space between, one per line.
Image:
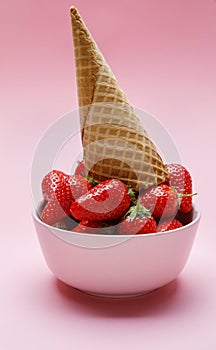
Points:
x=187 y=194
x=182 y=195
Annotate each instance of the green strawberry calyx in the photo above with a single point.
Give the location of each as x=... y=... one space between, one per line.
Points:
x=132 y=195
x=91 y=181
x=138 y=210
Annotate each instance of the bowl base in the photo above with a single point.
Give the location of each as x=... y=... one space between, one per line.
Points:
x=117 y=296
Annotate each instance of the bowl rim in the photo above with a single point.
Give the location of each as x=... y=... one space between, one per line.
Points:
x=56 y=229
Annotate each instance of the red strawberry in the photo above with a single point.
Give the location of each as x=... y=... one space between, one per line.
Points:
x=51 y=181
x=161 y=200
x=80 y=169
x=109 y=200
x=77 y=185
x=180 y=179
x=139 y=221
x=66 y=191
x=169 y=225
x=52 y=212
x=87 y=226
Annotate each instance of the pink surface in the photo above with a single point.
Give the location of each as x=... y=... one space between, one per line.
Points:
x=164 y=54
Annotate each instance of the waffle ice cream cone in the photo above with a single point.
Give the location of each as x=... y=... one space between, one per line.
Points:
x=115 y=145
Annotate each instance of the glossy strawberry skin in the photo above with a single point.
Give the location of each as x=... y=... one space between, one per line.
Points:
x=51 y=182
x=169 y=225
x=65 y=191
x=80 y=169
x=52 y=212
x=109 y=200
x=77 y=185
x=180 y=179
x=160 y=200
x=137 y=226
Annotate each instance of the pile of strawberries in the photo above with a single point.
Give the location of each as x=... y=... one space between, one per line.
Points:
x=74 y=202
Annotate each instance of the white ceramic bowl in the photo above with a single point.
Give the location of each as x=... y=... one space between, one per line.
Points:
x=113 y=265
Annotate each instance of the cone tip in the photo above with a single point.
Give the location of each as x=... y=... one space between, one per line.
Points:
x=73 y=10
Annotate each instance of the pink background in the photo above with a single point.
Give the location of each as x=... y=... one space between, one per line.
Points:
x=164 y=54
